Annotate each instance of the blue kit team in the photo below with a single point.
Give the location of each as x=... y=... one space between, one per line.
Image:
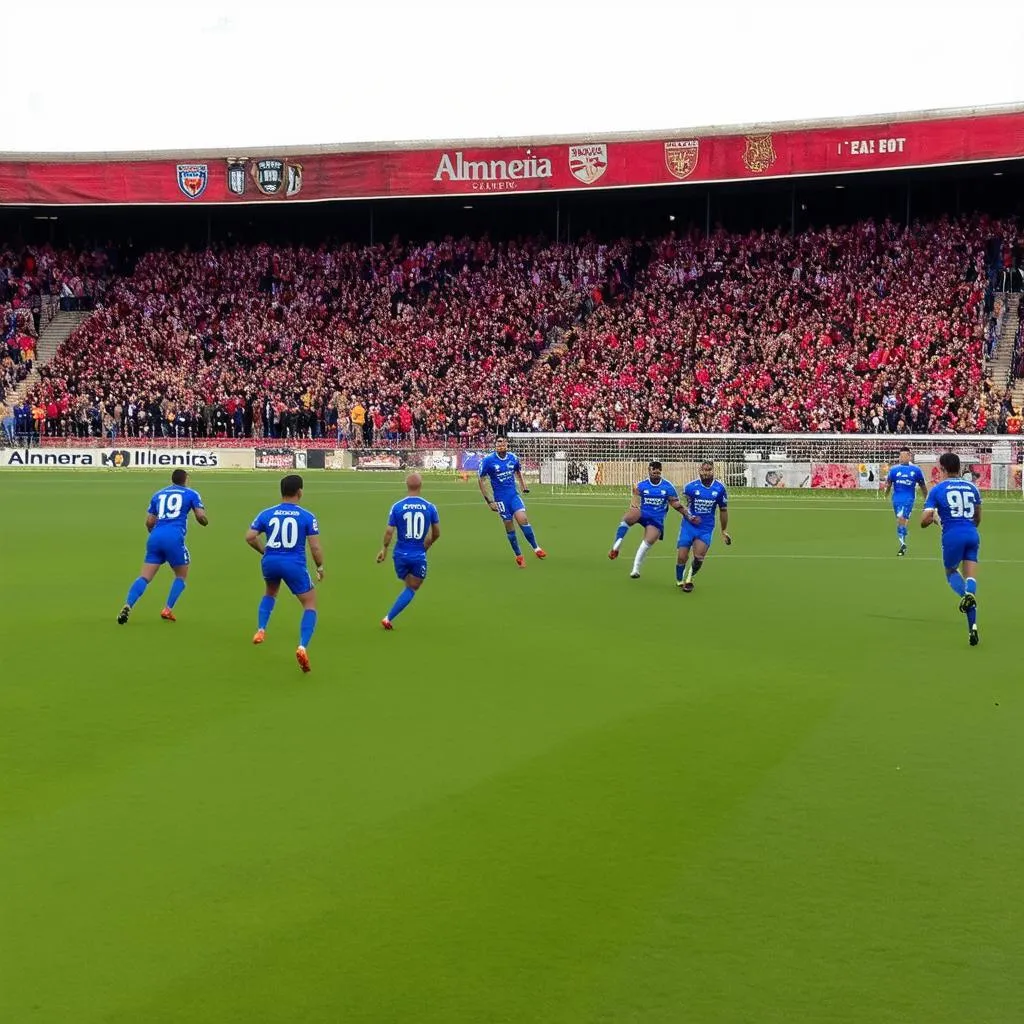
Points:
x=167 y=523
x=415 y=523
x=280 y=535
x=651 y=500
x=703 y=497
x=956 y=503
x=503 y=469
x=903 y=482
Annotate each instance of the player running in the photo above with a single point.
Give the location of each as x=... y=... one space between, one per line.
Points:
x=503 y=469
x=415 y=521
x=288 y=527
x=649 y=506
x=902 y=480
x=703 y=496
x=167 y=523
x=957 y=503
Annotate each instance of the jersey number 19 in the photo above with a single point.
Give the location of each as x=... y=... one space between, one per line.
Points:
x=168 y=506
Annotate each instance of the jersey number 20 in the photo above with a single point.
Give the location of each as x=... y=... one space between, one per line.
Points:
x=284 y=533
x=961 y=505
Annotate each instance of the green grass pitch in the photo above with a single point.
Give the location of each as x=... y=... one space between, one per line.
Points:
x=551 y=795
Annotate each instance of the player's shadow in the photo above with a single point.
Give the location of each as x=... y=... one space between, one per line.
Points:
x=898 y=618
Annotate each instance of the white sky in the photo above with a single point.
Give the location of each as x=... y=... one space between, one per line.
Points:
x=94 y=76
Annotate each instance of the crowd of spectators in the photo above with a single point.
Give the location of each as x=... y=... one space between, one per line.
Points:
x=876 y=327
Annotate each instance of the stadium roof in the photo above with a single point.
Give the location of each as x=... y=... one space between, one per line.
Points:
x=707 y=131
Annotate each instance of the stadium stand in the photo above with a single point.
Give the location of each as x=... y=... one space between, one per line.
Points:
x=875 y=327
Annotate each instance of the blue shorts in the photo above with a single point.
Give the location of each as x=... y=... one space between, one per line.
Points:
x=509 y=505
x=688 y=533
x=166 y=547
x=960 y=546
x=903 y=509
x=412 y=564
x=646 y=521
x=294 y=575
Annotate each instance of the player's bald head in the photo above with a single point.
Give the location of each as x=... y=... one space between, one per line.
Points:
x=413 y=483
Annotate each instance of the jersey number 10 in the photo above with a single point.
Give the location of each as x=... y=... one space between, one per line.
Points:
x=415 y=525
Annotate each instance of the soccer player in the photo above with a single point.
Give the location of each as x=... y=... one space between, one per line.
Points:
x=957 y=503
x=288 y=527
x=167 y=523
x=902 y=481
x=414 y=520
x=503 y=469
x=703 y=496
x=649 y=506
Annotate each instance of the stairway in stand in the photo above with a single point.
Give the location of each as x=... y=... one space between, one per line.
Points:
x=52 y=336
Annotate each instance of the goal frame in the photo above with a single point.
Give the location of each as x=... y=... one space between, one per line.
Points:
x=831 y=461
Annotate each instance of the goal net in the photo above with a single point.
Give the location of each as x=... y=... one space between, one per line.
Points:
x=827 y=461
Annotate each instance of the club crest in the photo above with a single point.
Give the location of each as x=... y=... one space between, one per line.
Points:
x=588 y=163
x=760 y=153
x=192 y=179
x=277 y=177
x=236 y=177
x=681 y=157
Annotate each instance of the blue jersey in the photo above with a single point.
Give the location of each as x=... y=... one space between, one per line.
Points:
x=502 y=472
x=411 y=518
x=955 y=502
x=171 y=506
x=287 y=526
x=702 y=501
x=904 y=480
x=654 y=499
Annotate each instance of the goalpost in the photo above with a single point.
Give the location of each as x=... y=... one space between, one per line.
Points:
x=580 y=462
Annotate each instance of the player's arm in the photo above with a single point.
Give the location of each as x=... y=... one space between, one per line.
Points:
x=888 y=483
x=680 y=507
x=723 y=519
x=150 y=522
x=389 y=535
x=634 y=501
x=488 y=500
x=977 y=508
x=252 y=538
x=199 y=511
x=922 y=487
x=522 y=483
x=928 y=515
x=431 y=538
x=318 y=554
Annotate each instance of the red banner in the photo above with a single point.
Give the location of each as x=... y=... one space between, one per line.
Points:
x=480 y=169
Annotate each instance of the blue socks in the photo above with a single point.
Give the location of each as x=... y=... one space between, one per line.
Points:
x=266 y=607
x=306 y=627
x=529 y=535
x=680 y=570
x=514 y=541
x=177 y=589
x=901 y=532
x=135 y=591
x=971 y=587
x=956 y=581
x=622 y=530
x=402 y=602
